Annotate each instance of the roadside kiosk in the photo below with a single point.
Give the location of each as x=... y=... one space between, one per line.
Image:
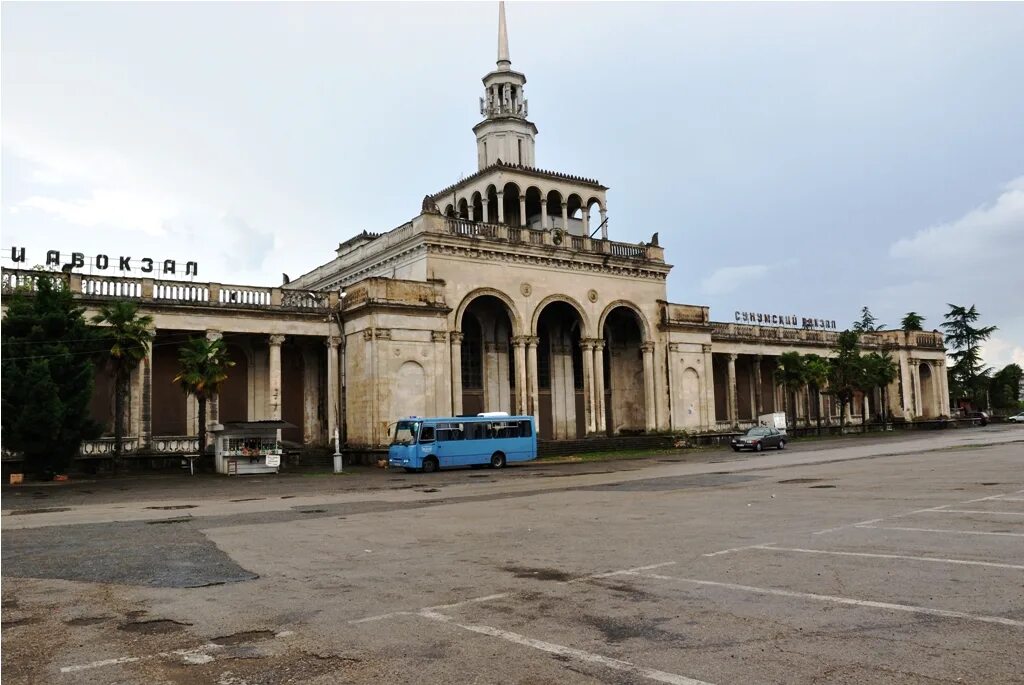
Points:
x=245 y=447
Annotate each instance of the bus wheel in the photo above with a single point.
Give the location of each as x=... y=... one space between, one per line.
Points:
x=429 y=465
x=497 y=460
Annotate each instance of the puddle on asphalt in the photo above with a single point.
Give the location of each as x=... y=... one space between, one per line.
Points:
x=171 y=507
x=243 y=637
x=800 y=481
x=49 y=510
x=249 y=499
x=87 y=620
x=821 y=487
x=180 y=519
x=311 y=511
x=538 y=573
x=158 y=626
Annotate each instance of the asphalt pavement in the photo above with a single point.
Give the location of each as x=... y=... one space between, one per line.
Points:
x=850 y=561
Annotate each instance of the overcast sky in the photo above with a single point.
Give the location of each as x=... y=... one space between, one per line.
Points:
x=802 y=159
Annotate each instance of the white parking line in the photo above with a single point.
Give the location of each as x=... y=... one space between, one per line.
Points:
x=570 y=652
x=979 y=511
x=943 y=530
x=735 y=549
x=842 y=600
x=1010 y=499
x=872 y=555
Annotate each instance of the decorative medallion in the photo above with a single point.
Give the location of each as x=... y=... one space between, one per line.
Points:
x=592 y=295
x=526 y=289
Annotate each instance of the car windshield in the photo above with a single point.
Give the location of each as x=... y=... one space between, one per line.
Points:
x=405 y=432
x=757 y=432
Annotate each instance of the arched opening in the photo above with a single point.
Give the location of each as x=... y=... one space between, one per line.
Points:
x=477 y=211
x=463 y=209
x=560 y=372
x=574 y=207
x=491 y=213
x=555 y=209
x=928 y=409
x=449 y=211
x=511 y=202
x=101 y=405
x=533 y=208
x=594 y=211
x=488 y=365
x=624 y=373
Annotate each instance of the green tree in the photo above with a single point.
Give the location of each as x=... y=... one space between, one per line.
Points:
x=867 y=323
x=203 y=366
x=845 y=371
x=912 y=322
x=967 y=375
x=48 y=374
x=1004 y=388
x=790 y=375
x=816 y=377
x=128 y=336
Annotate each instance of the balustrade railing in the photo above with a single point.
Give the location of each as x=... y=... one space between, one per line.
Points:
x=111 y=287
x=170 y=292
x=236 y=295
x=522 y=234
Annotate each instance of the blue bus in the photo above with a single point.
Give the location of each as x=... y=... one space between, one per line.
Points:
x=494 y=439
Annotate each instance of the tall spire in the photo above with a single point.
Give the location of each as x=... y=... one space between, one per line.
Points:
x=504 y=63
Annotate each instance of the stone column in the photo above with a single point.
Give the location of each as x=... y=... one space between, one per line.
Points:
x=588 y=385
x=565 y=216
x=586 y=222
x=674 y=392
x=531 y=378
x=604 y=225
x=213 y=403
x=731 y=393
x=146 y=397
x=650 y=417
x=501 y=207
x=333 y=385
x=943 y=390
x=936 y=389
x=486 y=203
x=758 y=399
x=544 y=223
x=456 y=343
x=600 y=422
x=522 y=392
x=708 y=377
x=522 y=210
x=274 y=380
x=915 y=381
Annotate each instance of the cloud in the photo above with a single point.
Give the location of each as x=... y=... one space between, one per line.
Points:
x=122 y=209
x=998 y=352
x=728 y=279
x=979 y=235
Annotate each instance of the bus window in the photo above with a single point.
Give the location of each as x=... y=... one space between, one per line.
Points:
x=525 y=429
x=426 y=434
x=405 y=433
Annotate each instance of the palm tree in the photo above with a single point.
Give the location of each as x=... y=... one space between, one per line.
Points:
x=878 y=371
x=843 y=371
x=816 y=376
x=129 y=336
x=790 y=374
x=912 y=322
x=203 y=367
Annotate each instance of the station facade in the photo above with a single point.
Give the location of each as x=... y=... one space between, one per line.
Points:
x=505 y=293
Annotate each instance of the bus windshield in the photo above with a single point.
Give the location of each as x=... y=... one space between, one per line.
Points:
x=405 y=432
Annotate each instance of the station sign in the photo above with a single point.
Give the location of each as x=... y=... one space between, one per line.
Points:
x=763 y=319
x=105 y=264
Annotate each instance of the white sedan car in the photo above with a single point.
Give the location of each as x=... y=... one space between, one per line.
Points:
x=1016 y=418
